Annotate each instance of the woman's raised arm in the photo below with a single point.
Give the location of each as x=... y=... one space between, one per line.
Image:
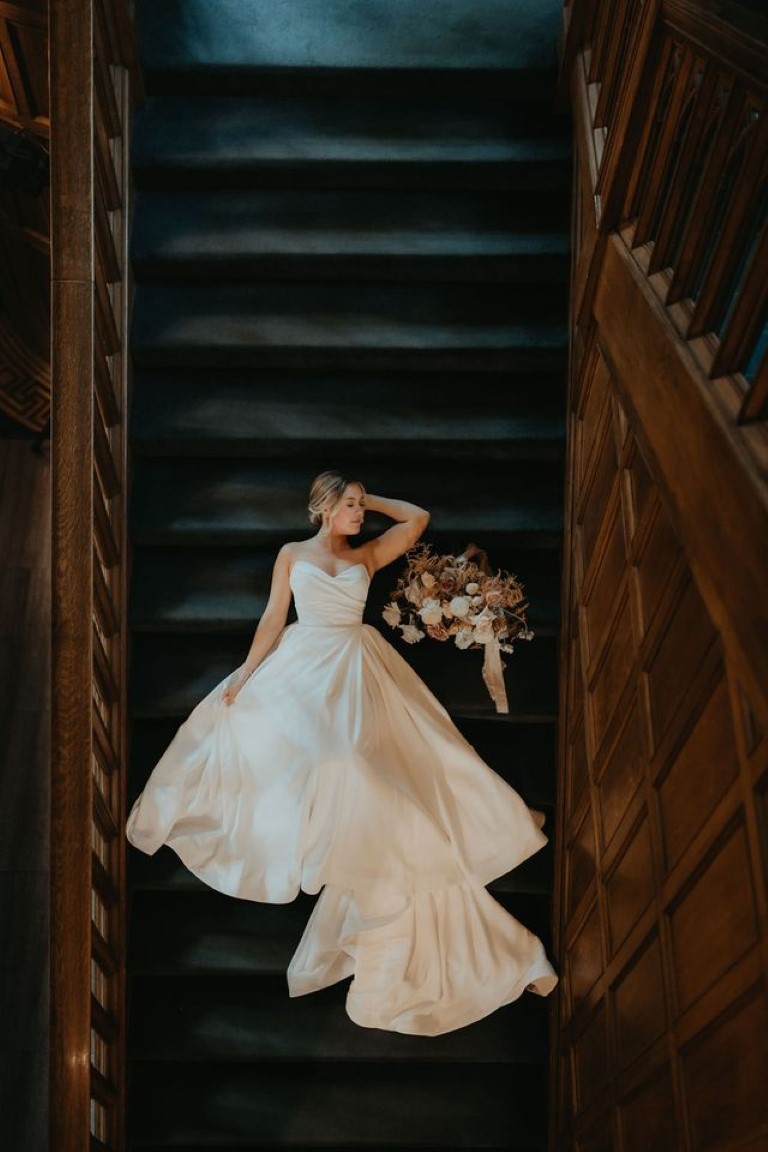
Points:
x=394 y=541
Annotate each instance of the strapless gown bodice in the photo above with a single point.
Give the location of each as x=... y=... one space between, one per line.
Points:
x=323 y=600
x=337 y=771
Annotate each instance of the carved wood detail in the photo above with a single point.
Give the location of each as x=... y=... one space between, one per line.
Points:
x=25 y=388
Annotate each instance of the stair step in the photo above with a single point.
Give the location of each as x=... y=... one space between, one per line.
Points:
x=525 y=97
x=218 y=1018
x=234 y=501
x=196 y=414
x=346 y=140
x=199 y=932
x=530 y=675
x=523 y=757
x=379 y=35
x=164 y=872
x=337 y=1105
x=170 y=674
x=226 y=590
x=324 y=234
x=350 y=325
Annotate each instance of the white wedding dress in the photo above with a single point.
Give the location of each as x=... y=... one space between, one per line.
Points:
x=336 y=768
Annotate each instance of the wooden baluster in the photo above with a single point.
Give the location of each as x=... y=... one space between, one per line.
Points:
x=735 y=227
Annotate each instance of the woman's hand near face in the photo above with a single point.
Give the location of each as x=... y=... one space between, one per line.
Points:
x=412 y=521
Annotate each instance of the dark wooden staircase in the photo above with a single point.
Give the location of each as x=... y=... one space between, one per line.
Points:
x=363 y=268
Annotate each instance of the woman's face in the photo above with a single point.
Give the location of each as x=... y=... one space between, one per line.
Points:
x=350 y=513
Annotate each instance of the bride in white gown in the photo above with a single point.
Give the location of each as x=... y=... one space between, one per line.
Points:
x=325 y=763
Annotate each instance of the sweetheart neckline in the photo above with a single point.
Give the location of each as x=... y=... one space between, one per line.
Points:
x=335 y=575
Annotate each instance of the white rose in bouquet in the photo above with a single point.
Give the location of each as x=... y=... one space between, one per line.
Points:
x=459 y=606
x=431 y=613
x=392 y=614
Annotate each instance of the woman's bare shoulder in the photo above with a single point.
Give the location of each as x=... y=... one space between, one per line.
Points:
x=294 y=549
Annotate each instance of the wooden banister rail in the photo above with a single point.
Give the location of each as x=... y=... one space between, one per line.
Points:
x=673 y=99
x=676 y=98
x=95 y=80
x=661 y=905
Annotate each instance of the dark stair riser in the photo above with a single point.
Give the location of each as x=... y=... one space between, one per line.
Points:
x=295 y=416
x=525 y=97
x=197 y=932
x=375 y=143
x=323 y=234
x=189 y=590
x=218 y=1017
x=172 y=673
x=527 y=94
x=240 y=501
x=164 y=872
x=334 y=1105
x=360 y=327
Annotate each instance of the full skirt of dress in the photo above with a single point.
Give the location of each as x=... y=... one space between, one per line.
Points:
x=337 y=771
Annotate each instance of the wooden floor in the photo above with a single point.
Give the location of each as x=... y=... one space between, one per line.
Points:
x=25 y=602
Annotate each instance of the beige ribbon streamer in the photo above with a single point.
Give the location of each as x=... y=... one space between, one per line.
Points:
x=493 y=674
x=493 y=667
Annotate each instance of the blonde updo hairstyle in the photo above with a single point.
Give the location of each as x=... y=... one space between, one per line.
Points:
x=327 y=491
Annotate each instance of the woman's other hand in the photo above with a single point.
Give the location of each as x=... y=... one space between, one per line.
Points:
x=230 y=693
x=234 y=686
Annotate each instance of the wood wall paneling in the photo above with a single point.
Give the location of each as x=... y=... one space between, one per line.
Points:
x=689 y=446
x=662 y=844
x=647 y=1115
x=639 y=1004
x=725 y=1070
